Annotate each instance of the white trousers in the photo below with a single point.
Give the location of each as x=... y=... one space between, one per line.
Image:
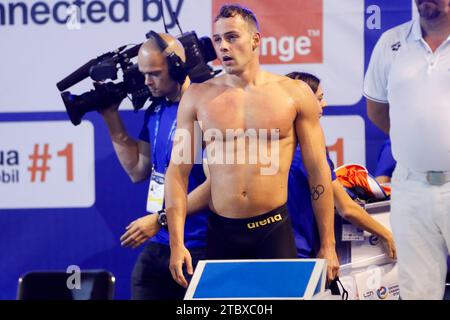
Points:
x=420 y=221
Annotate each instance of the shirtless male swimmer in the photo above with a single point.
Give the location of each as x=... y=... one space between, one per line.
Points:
x=251 y=220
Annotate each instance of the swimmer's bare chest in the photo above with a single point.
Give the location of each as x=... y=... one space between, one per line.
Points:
x=265 y=108
x=240 y=190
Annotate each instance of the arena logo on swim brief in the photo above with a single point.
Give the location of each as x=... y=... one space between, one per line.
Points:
x=286 y=38
x=263 y=222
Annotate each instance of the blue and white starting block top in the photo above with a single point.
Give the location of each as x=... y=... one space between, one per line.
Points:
x=292 y=279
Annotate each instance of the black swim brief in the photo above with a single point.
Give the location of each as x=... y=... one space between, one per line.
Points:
x=266 y=236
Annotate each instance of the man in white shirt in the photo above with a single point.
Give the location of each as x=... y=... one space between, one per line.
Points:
x=407 y=87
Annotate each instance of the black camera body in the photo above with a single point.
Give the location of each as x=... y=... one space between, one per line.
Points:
x=105 y=67
x=198 y=52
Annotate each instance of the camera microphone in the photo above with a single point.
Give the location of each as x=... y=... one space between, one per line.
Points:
x=78 y=75
x=84 y=71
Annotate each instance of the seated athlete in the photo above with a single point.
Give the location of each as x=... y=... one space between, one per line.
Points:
x=299 y=204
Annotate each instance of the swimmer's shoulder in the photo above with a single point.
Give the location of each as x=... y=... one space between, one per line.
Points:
x=295 y=88
x=208 y=85
x=204 y=91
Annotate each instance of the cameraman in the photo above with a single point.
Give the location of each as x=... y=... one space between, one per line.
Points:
x=149 y=157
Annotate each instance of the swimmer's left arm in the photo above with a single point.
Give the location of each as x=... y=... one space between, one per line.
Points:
x=312 y=145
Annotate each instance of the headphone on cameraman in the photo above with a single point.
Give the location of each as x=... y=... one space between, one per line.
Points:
x=174 y=62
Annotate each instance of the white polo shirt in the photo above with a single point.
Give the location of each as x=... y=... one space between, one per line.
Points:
x=405 y=73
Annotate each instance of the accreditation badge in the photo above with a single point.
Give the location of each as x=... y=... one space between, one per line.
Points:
x=155 y=196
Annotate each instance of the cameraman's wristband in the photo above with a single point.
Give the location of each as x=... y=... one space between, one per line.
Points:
x=162 y=218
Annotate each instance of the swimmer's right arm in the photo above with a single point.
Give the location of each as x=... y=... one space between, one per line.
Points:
x=176 y=187
x=198 y=199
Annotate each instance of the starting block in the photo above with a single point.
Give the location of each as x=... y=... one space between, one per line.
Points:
x=290 y=279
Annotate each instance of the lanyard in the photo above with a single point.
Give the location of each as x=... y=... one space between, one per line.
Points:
x=169 y=138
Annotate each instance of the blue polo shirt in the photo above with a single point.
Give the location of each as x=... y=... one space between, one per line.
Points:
x=300 y=208
x=164 y=116
x=386 y=162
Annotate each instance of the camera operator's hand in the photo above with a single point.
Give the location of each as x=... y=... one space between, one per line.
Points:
x=140 y=230
x=111 y=109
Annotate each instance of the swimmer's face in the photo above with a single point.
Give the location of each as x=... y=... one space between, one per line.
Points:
x=236 y=43
x=153 y=65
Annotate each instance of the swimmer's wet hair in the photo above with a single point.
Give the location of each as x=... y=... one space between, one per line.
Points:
x=231 y=10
